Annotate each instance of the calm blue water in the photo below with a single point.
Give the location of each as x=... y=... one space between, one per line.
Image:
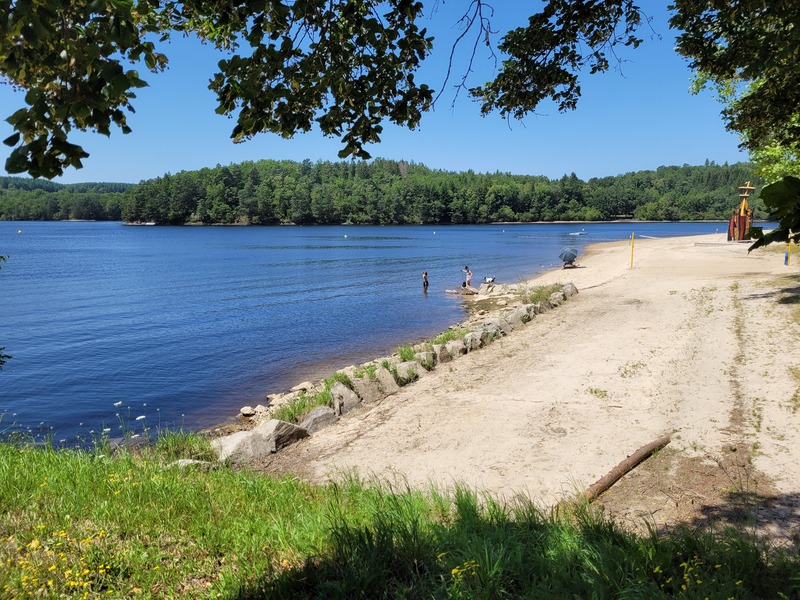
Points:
x=184 y=325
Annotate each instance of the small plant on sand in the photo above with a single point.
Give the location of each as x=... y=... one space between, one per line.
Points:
x=427 y=363
x=454 y=333
x=296 y=408
x=538 y=293
x=341 y=377
x=406 y=353
x=392 y=368
x=630 y=369
x=598 y=393
x=405 y=378
x=366 y=372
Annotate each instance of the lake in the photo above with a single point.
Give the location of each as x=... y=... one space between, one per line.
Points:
x=181 y=326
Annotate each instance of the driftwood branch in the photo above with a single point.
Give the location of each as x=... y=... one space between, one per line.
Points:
x=627 y=465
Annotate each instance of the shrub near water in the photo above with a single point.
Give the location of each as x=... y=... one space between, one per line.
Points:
x=455 y=333
x=539 y=293
x=84 y=525
x=294 y=410
x=406 y=353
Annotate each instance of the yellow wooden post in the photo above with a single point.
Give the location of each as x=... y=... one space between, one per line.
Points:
x=631 y=250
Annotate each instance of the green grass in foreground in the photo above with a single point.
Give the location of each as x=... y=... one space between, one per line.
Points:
x=86 y=525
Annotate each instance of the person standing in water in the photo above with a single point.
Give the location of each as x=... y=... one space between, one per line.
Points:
x=469 y=275
x=424 y=281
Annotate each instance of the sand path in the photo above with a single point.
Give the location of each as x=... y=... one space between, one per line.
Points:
x=697 y=340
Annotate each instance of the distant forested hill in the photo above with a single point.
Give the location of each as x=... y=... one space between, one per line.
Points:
x=383 y=192
x=24 y=199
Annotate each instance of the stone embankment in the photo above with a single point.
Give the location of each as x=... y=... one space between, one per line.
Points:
x=358 y=387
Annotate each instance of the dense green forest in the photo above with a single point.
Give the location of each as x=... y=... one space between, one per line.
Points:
x=381 y=192
x=23 y=199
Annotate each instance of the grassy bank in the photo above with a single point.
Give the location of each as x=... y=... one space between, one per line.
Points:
x=85 y=524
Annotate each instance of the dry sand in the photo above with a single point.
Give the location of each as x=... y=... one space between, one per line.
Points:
x=697 y=340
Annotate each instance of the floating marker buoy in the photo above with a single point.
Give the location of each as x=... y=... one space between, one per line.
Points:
x=345 y=237
x=19 y=230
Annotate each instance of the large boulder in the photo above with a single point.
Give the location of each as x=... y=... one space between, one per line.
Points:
x=245 y=446
x=517 y=317
x=496 y=324
x=569 y=290
x=386 y=381
x=426 y=359
x=557 y=298
x=441 y=354
x=303 y=387
x=318 y=418
x=456 y=348
x=275 y=400
x=531 y=309
x=344 y=399
x=472 y=341
x=408 y=371
x=367 y=389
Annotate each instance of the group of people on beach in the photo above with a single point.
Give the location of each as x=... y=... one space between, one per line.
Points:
x=467 y=282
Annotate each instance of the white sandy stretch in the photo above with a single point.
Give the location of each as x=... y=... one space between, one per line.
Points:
x=698 y=340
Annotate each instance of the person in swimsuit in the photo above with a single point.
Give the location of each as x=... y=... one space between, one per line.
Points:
x=424 y=281
x=469 y=275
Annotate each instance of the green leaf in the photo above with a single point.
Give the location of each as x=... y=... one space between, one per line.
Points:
x=12 y=140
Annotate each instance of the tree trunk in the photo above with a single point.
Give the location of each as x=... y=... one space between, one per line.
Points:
x=624 y=467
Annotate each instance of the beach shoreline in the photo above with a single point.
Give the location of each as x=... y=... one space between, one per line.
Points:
x=667 y=347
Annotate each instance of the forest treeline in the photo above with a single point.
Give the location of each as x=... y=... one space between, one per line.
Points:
x=25 y=199
x=381 y=192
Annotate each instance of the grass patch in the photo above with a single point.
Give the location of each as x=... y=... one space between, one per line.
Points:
x=539 y=293
x=82 y=524
x=598 y=393
x=427 y=363
x=454 y=333
x=341 y=377
x=296 y=408
x=367 y=372
x=174 y=445
x=293 y=410
x=406 y=353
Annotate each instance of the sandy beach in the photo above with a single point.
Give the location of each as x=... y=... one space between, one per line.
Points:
x=697 y=340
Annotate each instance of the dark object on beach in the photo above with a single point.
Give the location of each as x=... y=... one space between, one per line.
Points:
x=463 y=284
x=568 y=254
x=627 y=465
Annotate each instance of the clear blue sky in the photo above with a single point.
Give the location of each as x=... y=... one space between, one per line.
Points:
x=639 y=119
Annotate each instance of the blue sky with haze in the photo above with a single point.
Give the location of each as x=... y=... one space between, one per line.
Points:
x=640 y=118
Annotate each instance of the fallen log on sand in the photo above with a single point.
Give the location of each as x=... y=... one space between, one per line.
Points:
x=627 y=465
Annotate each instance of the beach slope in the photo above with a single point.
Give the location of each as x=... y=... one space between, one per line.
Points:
x=696 y=340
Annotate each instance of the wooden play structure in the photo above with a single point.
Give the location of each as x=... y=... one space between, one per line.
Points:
x=742 y=219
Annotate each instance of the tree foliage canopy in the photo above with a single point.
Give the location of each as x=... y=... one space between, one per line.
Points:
x=381 y=192
x=348 y=66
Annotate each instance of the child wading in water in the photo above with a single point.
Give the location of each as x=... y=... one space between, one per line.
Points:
x=424 y=281
x=469 y=276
